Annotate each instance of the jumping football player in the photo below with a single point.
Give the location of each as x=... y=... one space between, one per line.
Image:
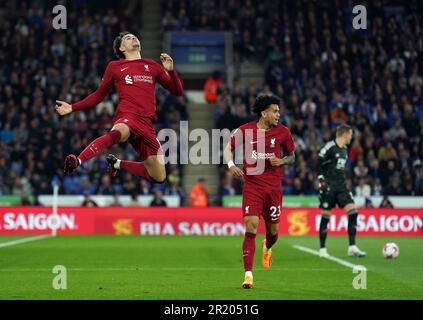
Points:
x=264 y=140
x=333 y=189
x=134 y=79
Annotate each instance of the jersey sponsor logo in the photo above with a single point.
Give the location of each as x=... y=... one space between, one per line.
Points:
x=123 y=226
x=123 y=69
x=128 y=79
x=141 y=78
x=298 y=223
x=272 y=142
x=138 y=78
x=261 y=155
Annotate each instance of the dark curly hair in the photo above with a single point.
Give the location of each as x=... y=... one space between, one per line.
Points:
x=263 y=102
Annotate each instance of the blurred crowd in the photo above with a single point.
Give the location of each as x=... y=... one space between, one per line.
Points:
x=38 y=65
x=327 y=73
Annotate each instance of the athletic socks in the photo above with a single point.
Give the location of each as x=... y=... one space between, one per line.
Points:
x=136 y=168
x=248 y=249
x=352 y=226
x=117 y=164
x=99 y=145
x=323 y=230
x=270 y=241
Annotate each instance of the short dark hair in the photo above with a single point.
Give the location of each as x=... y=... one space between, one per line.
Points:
x=342 y=129
x=263 y=102
x=117 y=42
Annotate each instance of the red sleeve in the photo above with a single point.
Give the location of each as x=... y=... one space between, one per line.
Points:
x=237 y=138
x=170 y=81
x=97 y=96
x=288 y=144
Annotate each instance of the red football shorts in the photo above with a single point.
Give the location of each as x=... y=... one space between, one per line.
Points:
x=143 y=136
x=268 y=204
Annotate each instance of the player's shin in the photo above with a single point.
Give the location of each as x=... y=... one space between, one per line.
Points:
x=138 y=169
x=100 y=145
x=248 y=250
x=323 y=230
x=352 y=226
x=271 y=240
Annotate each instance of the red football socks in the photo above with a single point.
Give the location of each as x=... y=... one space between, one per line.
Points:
x=270 y=240
x=248 y=249
x=136 y=168
x=100 y=145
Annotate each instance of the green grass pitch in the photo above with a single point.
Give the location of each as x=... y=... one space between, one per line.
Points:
x=135 y=267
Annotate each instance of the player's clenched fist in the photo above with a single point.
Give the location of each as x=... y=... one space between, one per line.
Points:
x=63 y=108
x=236 y=172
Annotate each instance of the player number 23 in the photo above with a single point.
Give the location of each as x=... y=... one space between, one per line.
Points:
x=275 y=212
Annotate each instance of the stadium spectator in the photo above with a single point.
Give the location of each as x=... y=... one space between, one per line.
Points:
x=199 y=196
x=134 y=201
x=25 y=200
x=158 y=201
x=210 y=87
x=88 y=202
x=386 y=203
x=363 y=189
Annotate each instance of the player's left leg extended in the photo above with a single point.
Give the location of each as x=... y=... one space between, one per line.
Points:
x=152 y=168
x=271 y=238
x=119 y=133
x=353 y=250
x=248 y=249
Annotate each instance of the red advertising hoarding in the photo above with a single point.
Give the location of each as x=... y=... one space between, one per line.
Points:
x=212 y=221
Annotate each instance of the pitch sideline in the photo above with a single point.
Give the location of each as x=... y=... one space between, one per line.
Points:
x=332 y=258
x=23 y=240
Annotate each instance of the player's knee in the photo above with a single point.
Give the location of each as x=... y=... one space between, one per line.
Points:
x=251 y=226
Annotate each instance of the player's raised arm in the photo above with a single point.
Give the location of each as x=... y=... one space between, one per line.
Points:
x=169 y=80
x=106 y=84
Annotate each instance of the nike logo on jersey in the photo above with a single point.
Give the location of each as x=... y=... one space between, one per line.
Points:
x=124 y=69
x=253 y=142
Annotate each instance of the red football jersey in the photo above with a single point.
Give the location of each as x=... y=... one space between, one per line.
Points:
x=134 y=81
x=258 y=146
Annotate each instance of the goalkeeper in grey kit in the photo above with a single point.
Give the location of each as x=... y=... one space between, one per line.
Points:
x=333 y=189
